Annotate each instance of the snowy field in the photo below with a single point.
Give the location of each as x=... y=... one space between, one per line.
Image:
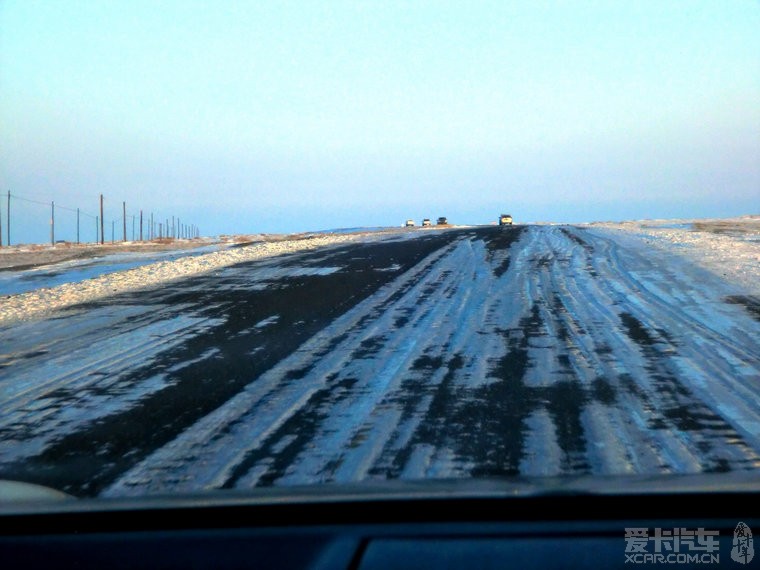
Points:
x=537 y=350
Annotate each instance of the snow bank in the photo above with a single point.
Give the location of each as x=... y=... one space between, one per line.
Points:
x=35 y=304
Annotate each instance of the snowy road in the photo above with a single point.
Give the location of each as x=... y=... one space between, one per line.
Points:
x=480 y=352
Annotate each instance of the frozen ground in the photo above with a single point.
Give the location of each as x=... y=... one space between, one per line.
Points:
x=477 y=352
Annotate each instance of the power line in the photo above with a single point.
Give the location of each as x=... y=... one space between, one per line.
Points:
x=177 y=230
x=39 y=202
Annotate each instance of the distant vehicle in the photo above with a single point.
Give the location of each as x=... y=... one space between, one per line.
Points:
x=409 y=223
x=442 y=221
x=426 y=223
x=505 y=220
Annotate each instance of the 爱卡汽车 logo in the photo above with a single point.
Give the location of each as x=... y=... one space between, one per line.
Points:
x=672 y=546
x=742 y=549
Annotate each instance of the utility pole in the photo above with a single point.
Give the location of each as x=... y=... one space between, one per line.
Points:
x=124 y=219
x=102 y=233
x=141 y=226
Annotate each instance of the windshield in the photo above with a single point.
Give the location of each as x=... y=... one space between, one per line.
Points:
x=253 y=245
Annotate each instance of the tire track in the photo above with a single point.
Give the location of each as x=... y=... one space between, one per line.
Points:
x=675 y=410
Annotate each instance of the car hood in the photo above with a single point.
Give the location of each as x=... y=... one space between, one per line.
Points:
x=17 y=497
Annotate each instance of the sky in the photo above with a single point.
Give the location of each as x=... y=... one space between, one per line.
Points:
x=250 y=117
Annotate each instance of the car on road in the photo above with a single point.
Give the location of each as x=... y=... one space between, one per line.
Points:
x=505 y=220
x=426 y=223
x=409 y=224
x=442 y=221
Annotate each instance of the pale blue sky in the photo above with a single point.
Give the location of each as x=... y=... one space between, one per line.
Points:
x=289 y=116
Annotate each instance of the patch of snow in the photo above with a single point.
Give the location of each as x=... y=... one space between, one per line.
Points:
x=268 y=321
x=391 y=268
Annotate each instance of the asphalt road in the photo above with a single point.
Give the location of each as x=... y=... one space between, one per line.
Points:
x=482 y=352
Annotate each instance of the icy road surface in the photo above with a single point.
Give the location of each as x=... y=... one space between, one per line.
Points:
x=480 y=352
